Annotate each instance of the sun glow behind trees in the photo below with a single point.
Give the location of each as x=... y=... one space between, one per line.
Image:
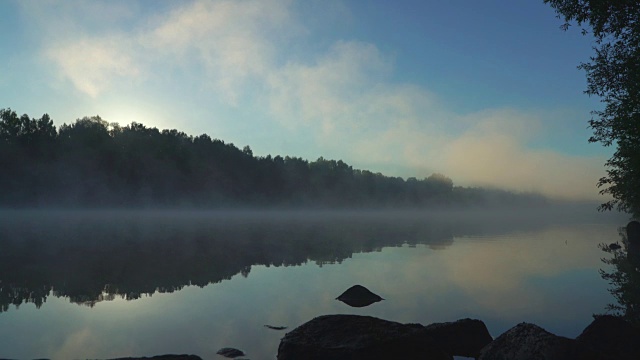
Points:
x=93 y=163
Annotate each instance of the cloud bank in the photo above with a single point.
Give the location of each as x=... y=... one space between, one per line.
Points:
x=344 y=97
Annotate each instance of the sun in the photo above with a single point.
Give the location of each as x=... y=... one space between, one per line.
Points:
x=124 y=115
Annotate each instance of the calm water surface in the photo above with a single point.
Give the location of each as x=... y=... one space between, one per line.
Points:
x=103 y=284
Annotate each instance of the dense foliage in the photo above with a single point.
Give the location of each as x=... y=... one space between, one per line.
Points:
x=613 y=75
x=93 y=163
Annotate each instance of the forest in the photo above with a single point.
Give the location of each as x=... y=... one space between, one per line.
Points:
x=93 y=163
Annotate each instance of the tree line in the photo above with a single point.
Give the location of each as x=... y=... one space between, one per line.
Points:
x=91 y=162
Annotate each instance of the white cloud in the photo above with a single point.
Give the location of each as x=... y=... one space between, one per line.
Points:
x=92 y=65
x=345 y=97
x=227 y=39
x=334 y=92
x=232 y=40
x=499 y=156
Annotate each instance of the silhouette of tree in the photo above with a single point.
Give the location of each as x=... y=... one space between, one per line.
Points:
x=613 y=75
x=91 y=162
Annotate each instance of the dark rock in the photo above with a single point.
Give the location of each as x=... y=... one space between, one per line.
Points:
x=465 y=337
x=163 y=357
x=340 y=337
x=230 y=352
x=529 y=342
x=610 y=337
x=359 y=296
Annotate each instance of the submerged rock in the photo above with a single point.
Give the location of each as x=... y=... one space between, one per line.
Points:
x=529 y=342
x=230 y=352
x=610 y=337
x=359 y=296
x=465 y=337
x=341 y=337
x=164 y=357
x=275 y=327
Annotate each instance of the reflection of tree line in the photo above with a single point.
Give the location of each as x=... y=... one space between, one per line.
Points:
x=624 y=275
x=90 y=258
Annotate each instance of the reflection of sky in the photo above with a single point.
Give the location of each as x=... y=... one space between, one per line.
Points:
x=548 y=277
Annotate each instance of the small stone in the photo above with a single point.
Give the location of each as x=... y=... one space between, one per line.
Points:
x=230 y=352
x=359 y=296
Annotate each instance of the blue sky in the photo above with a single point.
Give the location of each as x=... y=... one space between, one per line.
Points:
x=484 y=92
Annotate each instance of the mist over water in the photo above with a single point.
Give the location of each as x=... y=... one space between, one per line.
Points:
x=111 y=283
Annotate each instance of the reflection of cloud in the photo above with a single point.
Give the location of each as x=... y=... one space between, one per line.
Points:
x=509 y=277
x=502 y=280
x=82 y=342
x=497 y=275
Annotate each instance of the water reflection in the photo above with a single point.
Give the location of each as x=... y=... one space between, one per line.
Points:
x=624 y=276
x=90 y=257
x=434 y=268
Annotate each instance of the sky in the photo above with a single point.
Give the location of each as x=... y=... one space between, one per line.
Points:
x=485 y=92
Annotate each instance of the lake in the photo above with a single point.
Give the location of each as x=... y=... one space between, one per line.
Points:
x=106 y=284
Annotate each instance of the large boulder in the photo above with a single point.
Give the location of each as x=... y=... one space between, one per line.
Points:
x=465 y=337
x=230 y=352
x=610 y=337
x=529 y=342
x=341 y=337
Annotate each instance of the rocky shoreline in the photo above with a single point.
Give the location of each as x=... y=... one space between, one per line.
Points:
x=362 y=337
x=343 y=337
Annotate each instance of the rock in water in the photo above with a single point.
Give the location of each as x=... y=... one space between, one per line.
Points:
x=359 y=296
x=529 y=342
x=465 y=337
x=275 y=327
x=341 y=337
x=230 y=352
x=163 y=357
